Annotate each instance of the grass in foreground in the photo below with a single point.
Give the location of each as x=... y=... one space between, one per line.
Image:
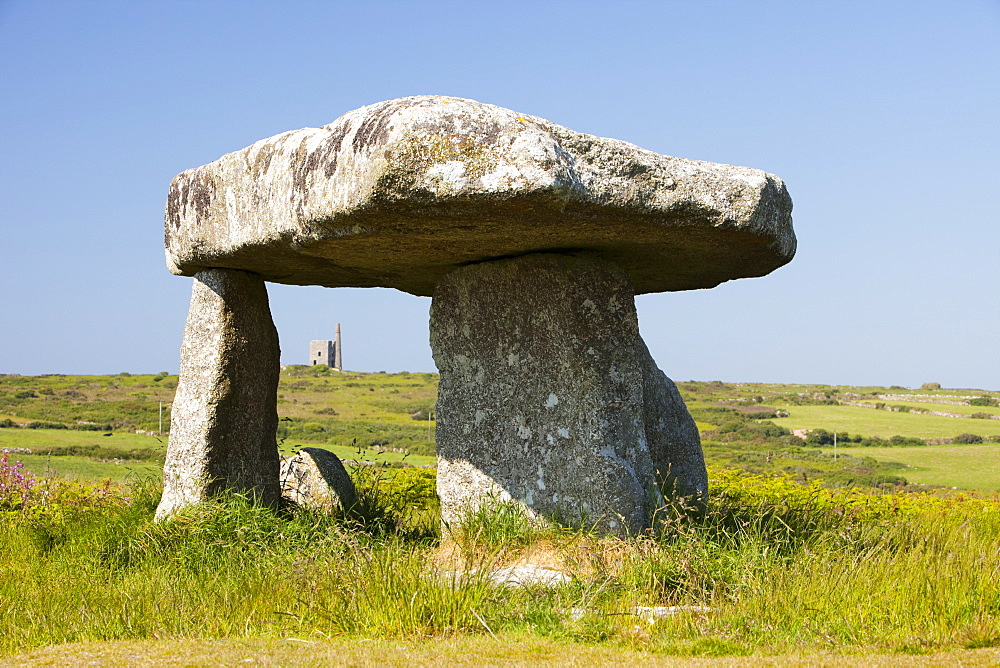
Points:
x=782 y=568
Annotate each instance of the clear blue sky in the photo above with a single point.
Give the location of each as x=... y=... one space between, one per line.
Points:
x=882 y=117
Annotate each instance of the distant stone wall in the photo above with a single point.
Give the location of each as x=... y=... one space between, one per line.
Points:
x=947 y=399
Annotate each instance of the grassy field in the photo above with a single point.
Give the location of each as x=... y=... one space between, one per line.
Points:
x=42 y=439
x=356 y=416
x=945 y=408
x=362 y=454
x=120 y=467
x=961 y=466
x=893 y=576
x=857 y=577
x=118 y=457
x=362 y=415
x=87 y=468
x=871 y=390
x=871 y=422
x=123 y=401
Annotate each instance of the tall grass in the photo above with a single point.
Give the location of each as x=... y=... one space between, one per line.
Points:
x=779 y=566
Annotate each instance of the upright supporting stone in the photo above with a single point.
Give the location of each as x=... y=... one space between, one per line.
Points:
x=222 y=432
x=672 y=435
x=541 y=396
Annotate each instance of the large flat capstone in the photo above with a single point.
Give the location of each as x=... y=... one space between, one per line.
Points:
x=400 y=193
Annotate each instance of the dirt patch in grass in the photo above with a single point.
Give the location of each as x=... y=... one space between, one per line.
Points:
x=458 y=651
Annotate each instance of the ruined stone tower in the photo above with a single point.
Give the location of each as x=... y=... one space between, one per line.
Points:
x=326 y=352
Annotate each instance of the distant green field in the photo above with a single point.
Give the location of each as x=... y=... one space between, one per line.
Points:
x=794 y=388
x=946 y=408
x=871 y=422
x=121 y=468
x=365 y=454
x=962 y=466
x=84 y=468
x=334 y=410
x=39 y=439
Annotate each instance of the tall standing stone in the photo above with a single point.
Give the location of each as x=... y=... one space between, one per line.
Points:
x=224 y=417
x=541 y=396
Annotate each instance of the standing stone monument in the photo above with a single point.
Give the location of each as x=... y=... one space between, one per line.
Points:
x=532 y=241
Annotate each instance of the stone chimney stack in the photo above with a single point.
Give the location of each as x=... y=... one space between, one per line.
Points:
x=337 y=360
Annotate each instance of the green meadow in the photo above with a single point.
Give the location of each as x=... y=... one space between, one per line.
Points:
x=42 y=439
x=871 y=422
x=873 y=557
x=84 y=426
x=390 y=417
x=965 y=410
x=772 y=572
x=959 y=466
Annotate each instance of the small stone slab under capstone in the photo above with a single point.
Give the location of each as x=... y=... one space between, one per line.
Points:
x=316 y=479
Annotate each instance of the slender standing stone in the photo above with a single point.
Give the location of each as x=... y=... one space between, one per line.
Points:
x=222 y=431
x=541 y=396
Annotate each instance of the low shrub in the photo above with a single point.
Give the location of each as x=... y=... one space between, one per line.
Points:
x=748 y=430
x=396 y=501
x=89 y=426
x=35 y=424
x=823 y=438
